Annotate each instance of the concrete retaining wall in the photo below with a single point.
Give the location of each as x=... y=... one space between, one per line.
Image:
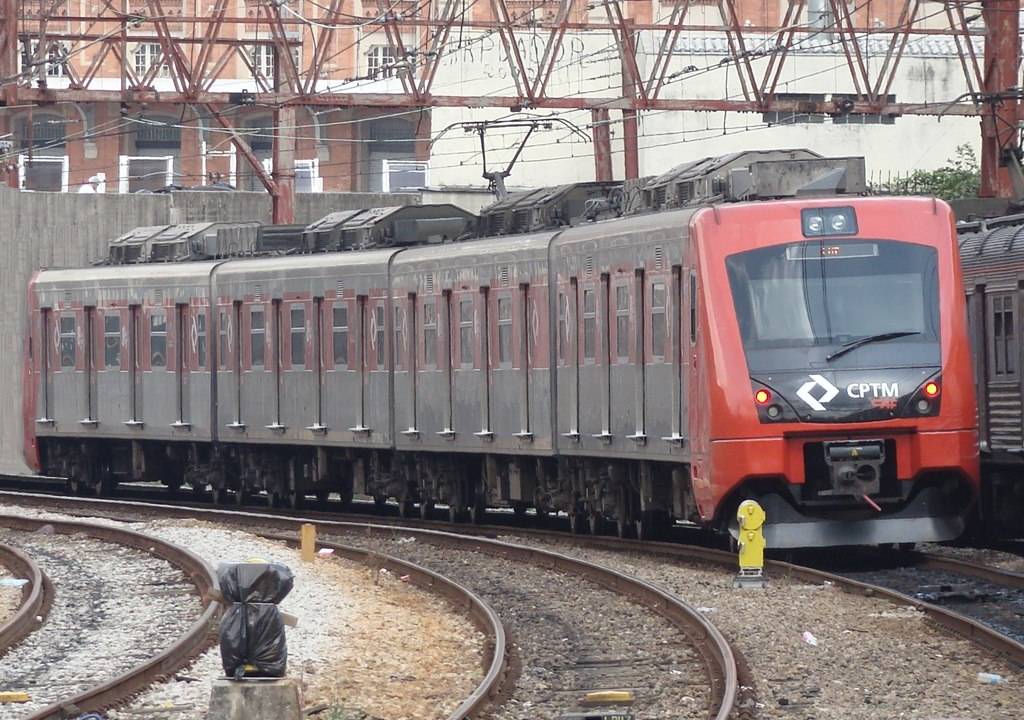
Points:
x=40 y=230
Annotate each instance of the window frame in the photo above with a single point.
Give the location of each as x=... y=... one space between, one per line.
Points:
x=293 y=331
x=156 y=315
x=108 y=335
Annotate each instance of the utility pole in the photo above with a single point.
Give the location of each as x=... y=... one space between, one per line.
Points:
x=1000 y=135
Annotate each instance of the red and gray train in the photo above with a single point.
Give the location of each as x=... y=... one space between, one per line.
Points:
x=749 y=326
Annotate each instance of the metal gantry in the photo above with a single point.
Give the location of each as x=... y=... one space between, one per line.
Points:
x=199 y=43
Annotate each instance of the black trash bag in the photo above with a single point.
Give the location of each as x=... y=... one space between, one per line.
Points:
x=252 y=641
x=254 y=582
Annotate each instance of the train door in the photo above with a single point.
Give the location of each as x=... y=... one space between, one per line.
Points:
x=676 y=305
x=277 y=352
x=135 y=415
x=485 y=365
x=412 y=365
x=89 y=416
x=362 y=321
x=45 y=416
x=979 y=351
x=449 y=338
x=525 y=351
x=573 y=330
x=640 y=354
x=604 y=361
x=318 y=366
x=1004 y=372
x=181 y=366
x=237 y=363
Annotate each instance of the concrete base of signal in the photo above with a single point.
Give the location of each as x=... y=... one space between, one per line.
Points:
x=255 y=700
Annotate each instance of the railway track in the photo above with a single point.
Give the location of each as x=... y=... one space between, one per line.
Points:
x=575 y=626
x=951 y=621
x=65 y=665
x=36 y=597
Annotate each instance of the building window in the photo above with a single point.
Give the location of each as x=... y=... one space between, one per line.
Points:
x=340 y=328
x=257 y=338
x=262 y=57
x=589 y=325
x=201 y=339
x=53 y=63
x=67 y=341
x=430 y=334
x=1004 y=351
x=466 y=332
x=298 y=336
x=378 y=319
x=622 y=322
x=380 y=61
x=158 y=340
x=146 y=56
x=112 y=340
x=658 y=319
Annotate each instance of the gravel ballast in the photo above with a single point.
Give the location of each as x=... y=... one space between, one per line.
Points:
x=873 y=659
x=570 y=636
x=114 y=608
x=367 y=642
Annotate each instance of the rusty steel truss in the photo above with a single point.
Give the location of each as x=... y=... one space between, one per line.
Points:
x=199 y=49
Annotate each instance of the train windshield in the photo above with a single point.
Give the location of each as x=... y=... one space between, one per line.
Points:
x=840 y=303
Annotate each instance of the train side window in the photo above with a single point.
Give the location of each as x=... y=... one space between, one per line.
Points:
x=298 y=336
x=200 y=321
x=622 y=322
x=693 y=307
x=1004 y=337
x=504 y=330
x=339 y=329
x=589 y=325
x=223 y=326
x=257 y=338
x=399 y=360
x=378 y=319
x=158 y=340
x=112 y=339
x=466 y=332
x=68 y=347
x=563 y=327
x=658 y=319
x=429 y=334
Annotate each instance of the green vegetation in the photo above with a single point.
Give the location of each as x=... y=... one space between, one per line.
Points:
x=959 y=178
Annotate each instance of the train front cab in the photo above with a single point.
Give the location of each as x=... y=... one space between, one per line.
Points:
x=834 y=371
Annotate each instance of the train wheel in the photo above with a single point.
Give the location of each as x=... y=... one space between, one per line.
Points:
x=405 y=507
x=241 y=497
x=596 y=523
x=477 y=510
x=219 y=495
x=454 y=513
x=322 y=496
x=623 y=527
x=426 y=509
x=575 y=523
x=296 y=499
x=542 y=516
x=380 y=502
x=519 y=510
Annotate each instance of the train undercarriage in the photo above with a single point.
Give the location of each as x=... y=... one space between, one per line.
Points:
x=639 y=499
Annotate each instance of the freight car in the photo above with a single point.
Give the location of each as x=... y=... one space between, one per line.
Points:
x=744 y=326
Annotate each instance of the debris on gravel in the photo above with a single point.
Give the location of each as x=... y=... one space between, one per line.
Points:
x=10 y=596
x=981 y=556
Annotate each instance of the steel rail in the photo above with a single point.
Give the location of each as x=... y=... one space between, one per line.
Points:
x=198 y=637
x=480 y=612
x=36 y=597
x=994 y=575
x=715 y=650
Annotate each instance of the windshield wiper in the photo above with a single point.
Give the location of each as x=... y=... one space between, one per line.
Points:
x=854 y=344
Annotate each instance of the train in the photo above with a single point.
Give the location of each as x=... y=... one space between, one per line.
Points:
x=633 y=355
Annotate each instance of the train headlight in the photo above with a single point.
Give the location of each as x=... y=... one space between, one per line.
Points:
x=931 y=389
x=762 y=396
x=819 y=222
x=923 y=406
x=774 y=411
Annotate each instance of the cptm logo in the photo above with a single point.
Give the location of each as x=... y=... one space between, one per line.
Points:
x=880 y=394
x=817 y=404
